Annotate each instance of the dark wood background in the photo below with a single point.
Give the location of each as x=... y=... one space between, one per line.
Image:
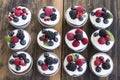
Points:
x=62 y=27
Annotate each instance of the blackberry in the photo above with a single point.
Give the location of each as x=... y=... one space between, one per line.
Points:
x=80 y=69
x=49 y=60
x=98 y=69
x=71 y=66
x=72 y=14
x=11 y=61
x=22 y=55
x=11 y=33
x=51 y=68
x=102 y=33
x=42 y=15
x=20 y=34
x=98 y=20
x=106 y=15
x=40 y=62
x=78 y=36
x=106 y=66
x=15 y=19
x=95 y=34
x=81 y=18
x=12 y=45
x=46 y=54
x=55 y=60
x=104 y=10
x=15 y=55
x=24 y=17
x=108 y=43
x=18 y=68
x=106 y=21
x=92 y=13
x=49 y=35
x=53 y=17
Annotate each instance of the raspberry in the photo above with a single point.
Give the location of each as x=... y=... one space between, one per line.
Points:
x=10 y=18
x=18 y=13
x=102 y=59
x=84 y=41
x=15 y=39
x=79 y=15
x=48 y=11
x=78 y=30
x=80 y=9
x=43 y=38
x=99 y=13
x=102 y=40
x=69 y=58
x=97 y=63
x=22 y=62
x=44 y=67
x=70 y=36
x=76 y=43
x=17 y=62
x=107 y=37
x=79 y=62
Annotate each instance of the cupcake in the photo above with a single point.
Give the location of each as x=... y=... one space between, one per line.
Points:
x=48 y=39
x=18 y=39
x=48 y=64
x=101 y=18
x=20 y=63
x=48 y=16
x=75 y=64
x=76 y=39
x=76 y=16
x=19 y=17
x=101 y=64
x=102 y=40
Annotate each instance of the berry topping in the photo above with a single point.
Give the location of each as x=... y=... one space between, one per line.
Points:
x=108 y=43
x=73 y=8
x=107 y=61
x=80 y=9
x=55 y=33
x=46 y=54
x=48 y=11
x=98 y=20
x=107 y=37
x=53 y=17
x=69 y=58
x=49 y=60
x=51 y=43
x=80 y=69
x=18 y=68
x=102 y=40
x=106 y=66
x=79 y=62
x=78 y=36
x=17 y=62
x=15 y=55
x=43 y=38
x=22 y=55
x=22 y=63
x=105 y=21
x=84 y=41
x=11 y=33
x=12 y=45
x=95 y=34
x=51 y=68
x=102 y=33
x=99 y=13
x=104 y=10
x=42 y=15
x=81 y=18
x=70 y=36
x=23 y=42
x=15 y=19
x=26 y=60
x=17 y=13
x=40 y=62
x=54 y=9
x=92 y=13
x=44 y=8
x=44 y=67
x=98 y=69
x=78 y=31
x=56 y=39
x=71 y=66
x=106 y=15
x=24 y=17
x=97 y=63
x=55 y=60
x=20 y=34
x=14 y=39
x=76 y=43
x=72 y=14
x=11 y=61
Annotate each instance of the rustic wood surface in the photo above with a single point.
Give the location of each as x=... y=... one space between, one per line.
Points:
x=62 y=27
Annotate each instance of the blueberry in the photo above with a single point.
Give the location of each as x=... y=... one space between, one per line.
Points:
x=81 y=18
x=12 y=45
x=73 y=8
x=15 y=19
x=55 y=33
x=105 y=21
x=108 y=43
x=54 y=9
x=40 y=62
x=11 y=61
x=95 y=34
x=42 y=15
x=98 y=20
x=98 y=69
x=53 y=17
x=51 y=43
x=20 y=31
x=23 y=42
x=80 y=69
x=27 y=60
x=46 y=54
x=24 y=17
x=77 y=56
x=11 y=33
x=56 y=39
x=43 y=31
x=15 y=55
x=18 y=68
x=92 y=13
x=78 y=36
x=51 y=68
x=55 y=60
x=107 y=61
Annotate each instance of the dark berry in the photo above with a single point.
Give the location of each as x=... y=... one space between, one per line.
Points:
x=106 y=15
x=42 y=15
x=51 y=43
x=95 y=34
x=104 y=10
x=55 y=33
x=43 y=31
x=20 y=34
x=55 y=60
x=108 y=43
x=77 y=56
x=46 y=54
x=12 y=45
x=80 y=69
x=54 y=9
x=22 y=55
x=102 y=33
x=72 y=14
x=53 y=17
x=15 y=55
x=20 y=31
x=107 y=61
x=44 y=8
x=40 y=62
x=27 y=60
x=18 y=68
x=73 y=8
x=50 y=35
x=71 y=66
x=78 y=36
x=98 y=69
x=23 y=42
x=105 y=21
x=24 y=17
x=11 y=61
x=56 y=39
x=106 y=66
x=98 y=20
x=51 y=68
x=15 y=19
x=11 y=33
x=81 y=18
x=92 y=13
x=49 y=60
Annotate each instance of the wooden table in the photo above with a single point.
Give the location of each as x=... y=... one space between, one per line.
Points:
x=62 y=27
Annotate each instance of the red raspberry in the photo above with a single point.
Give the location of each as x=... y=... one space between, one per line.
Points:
x=70 y=36
x=102 y=40
x=79 y=62
x=17 y=13
x=99 y=13
x=46 y=19
x=84 y=41
x=107 y=37
x=43 y=38
x=80 y=9
x=14 y=39
x=22 y=63
x=101 y=59
x=76 y=43
x=10 y=18
x=44 y=67
x=97 y=63
x=17 y=62
x=78 y=30
x=79 y=15
x=48 y=11
x=97 y=58
x=69 y=58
